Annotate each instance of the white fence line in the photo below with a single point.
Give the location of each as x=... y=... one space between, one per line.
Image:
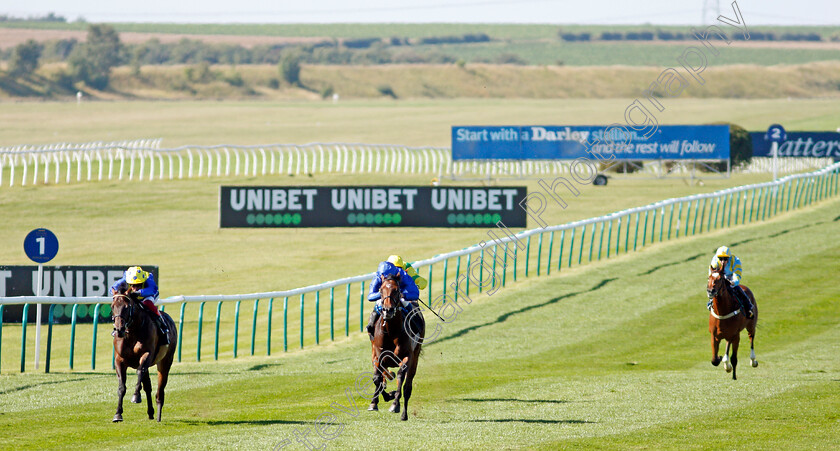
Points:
x=145 y=160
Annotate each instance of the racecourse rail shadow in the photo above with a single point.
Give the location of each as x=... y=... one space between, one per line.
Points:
x=657 y=268
x=525 y=420
x=547 y=401
x=504 y=317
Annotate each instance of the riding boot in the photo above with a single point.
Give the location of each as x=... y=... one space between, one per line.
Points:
x=746 y=305
x=164 y=329
x=374 y=315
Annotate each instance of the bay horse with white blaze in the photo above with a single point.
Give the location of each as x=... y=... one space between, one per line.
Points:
x=137 y=345
x=726 y=321
x=396 y=343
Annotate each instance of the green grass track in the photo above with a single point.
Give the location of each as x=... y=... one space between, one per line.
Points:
x=612 y=355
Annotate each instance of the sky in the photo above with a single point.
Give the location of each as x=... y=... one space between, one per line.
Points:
x=677 y=12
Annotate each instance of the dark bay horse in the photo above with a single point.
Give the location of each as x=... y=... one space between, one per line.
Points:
x=137 y=345
x=726 y=321
x=396 y=343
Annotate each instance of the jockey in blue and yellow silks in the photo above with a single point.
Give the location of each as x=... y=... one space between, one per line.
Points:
x=408 y=289
x=399 y=263
x=732 y=271
x=143 y=285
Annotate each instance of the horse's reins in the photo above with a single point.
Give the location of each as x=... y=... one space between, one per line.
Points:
x=712 y=294
x=130 y=320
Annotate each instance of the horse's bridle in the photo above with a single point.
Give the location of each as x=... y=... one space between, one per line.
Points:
x=388 y=313
x=127 y=321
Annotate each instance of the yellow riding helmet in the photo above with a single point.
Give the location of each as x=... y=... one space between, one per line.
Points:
x=397 y=261
x=135 y=275
x=722 y=252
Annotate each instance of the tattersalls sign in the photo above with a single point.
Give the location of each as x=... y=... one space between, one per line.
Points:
x=371 y=206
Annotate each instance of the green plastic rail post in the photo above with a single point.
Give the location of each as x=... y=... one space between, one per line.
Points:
x=23 y=320
x=571 y=247
x=73 y=334
x=582 y=240
x=654 y=213
x=527 y=257
x=539 y=254
x=601 y=239
x=181 y=329
x=254 y=325
x=332 y=313
x=560 y=254
x=723 y=213
x=286 y=323
x=362 y=303
x=717 y=210
x=218 y=318
x=429 y=282
x=317 y=317
x=737 y=206
x=51 y=316
x=446 y=269
x=492 y=276
x=481 y=272
x=679 y=218
x=236 y=330
x=729 y=212
x=469 y=268
x=550 y=249
x=347 y=313
x=702 y=214
x=697 y=213
x=268 y=329
x=617 y=237
x=671 y=220
x=752 y=204
x=504 y=269
x=644 y=231
x=458 y=275
x=592 y=242
x=636 y=233
x=93 y=341
x=627 y=234
x=200 y=325
x=301 y=320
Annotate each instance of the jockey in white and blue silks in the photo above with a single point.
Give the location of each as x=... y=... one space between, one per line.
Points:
x=732 y=272
x=409 y=290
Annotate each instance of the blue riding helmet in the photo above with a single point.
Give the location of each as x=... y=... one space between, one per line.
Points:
x=387 y=269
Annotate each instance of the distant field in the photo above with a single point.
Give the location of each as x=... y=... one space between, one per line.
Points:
x=350 y=30
x=410 y=122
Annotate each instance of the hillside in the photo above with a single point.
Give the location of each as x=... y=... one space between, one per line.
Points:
x=814 y=80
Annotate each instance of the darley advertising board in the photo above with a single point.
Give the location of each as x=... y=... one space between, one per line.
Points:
x=799 y=144
x=371 y=206
x=668 y=142
x=70 y=281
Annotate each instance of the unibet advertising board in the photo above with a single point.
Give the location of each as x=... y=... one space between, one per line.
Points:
x=371 y=206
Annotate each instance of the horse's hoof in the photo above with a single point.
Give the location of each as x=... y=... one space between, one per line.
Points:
x=716 y=362
x=753 y=363
x=373 y=408
x=135 y=399
x=728 y=367
x=404 y=416
x=394 y=409
x=117 y=418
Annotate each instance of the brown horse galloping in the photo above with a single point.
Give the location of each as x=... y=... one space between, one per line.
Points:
x=137 y=345
x=726 y=321
x=396 y=343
